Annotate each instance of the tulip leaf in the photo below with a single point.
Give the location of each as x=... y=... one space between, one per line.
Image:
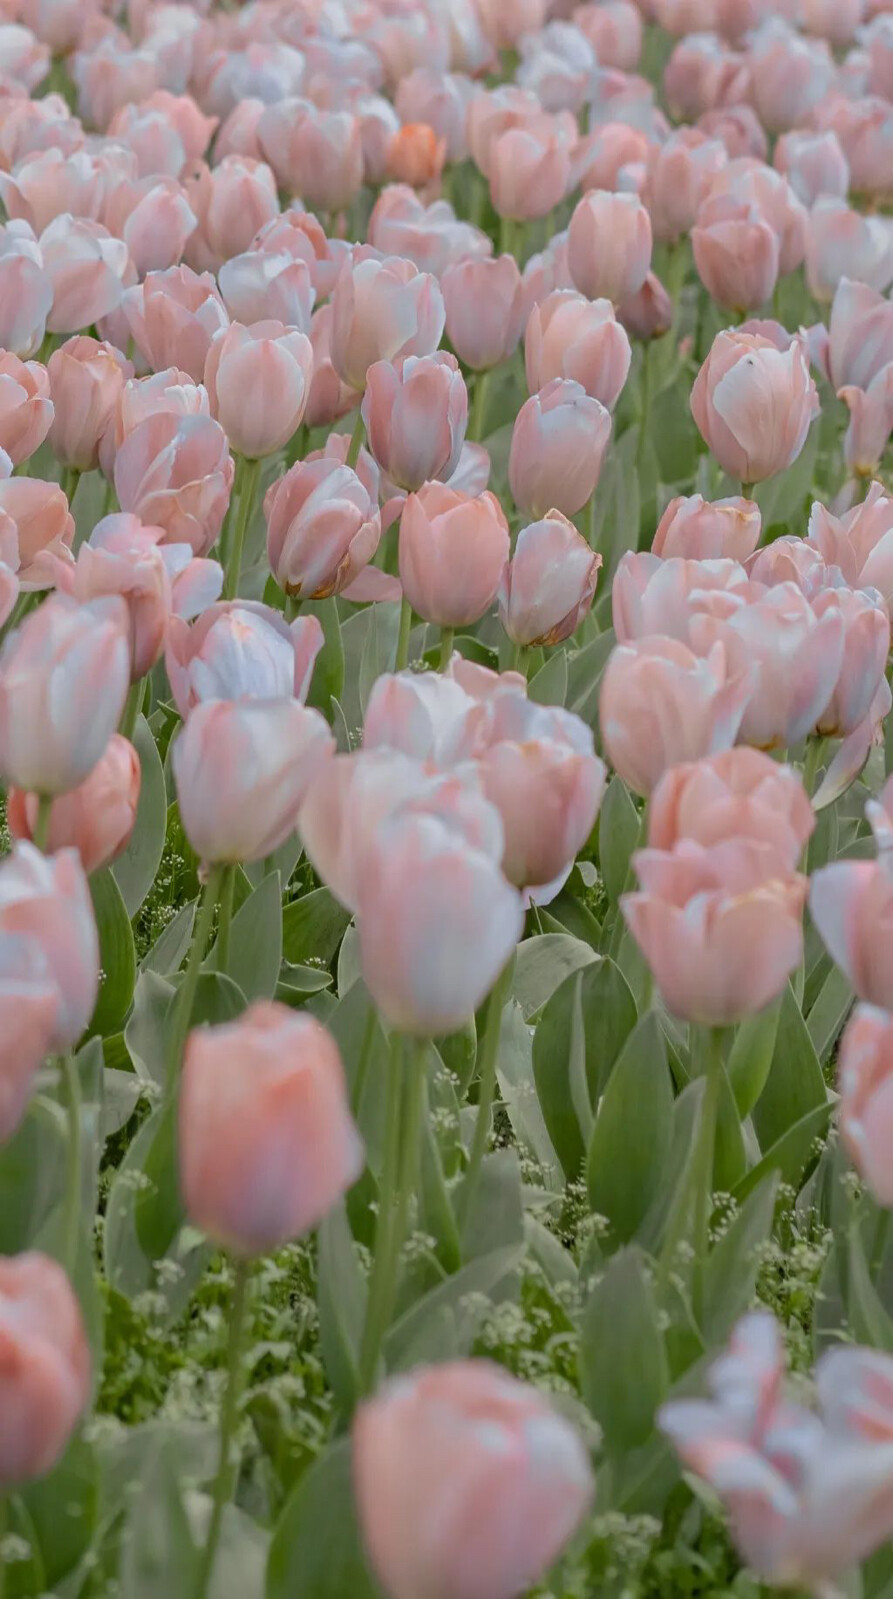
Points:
x=158 y=1555
x=633 y=1131
x=327 y=682
x=790 y=1153
x=795 y=1085
x=130 y=1268
x=731 y=1270
x=255 y=943
x=619 y=827
x=830 y=1009
x=342 y=1305
x=62 y=1510
x=172 y=945
x=312 y=928
x=32 y=1170
x=136 y=869
x=623 y=1362
x=549 y=686
x=751 y=1055
x=869 y=1320
x=578 y=1039
x=585 y=669
x=519 y=1094
x=317 y=1552
x=117 y=956
x=445 y=1322
x=542 y=964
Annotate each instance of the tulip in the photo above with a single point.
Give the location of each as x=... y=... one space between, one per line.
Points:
x=85 y=268
x=26 y=298
x=740 y=794
x=258 y=379
x=865 y=1073
x=506 y=20
x=97 y=818
x=452 y=553
x=170 y=390
x=753 y=404
x=232 y=201
x=653 y=596
x=241 y=649
x=45 y=1382
x=702 y=74
x=547 y=790
x=529 y=169
x=852 y=906
x=439 y=99
x=609 y=245
x=323 y=528
x=45 y=904
x=267 y=1141
x=661 y=705
x=468 y=1483
x=814 y=165
x=175 y=472
x=173 y=317
x=860 y=335
x=262 y=286
x=865 y=131
x=548 y=586
x=704 y=530
x=680 y=172
x=484 y=303
x=558 y=445
x=789 y=76
x=429 y=716
x=860 y=542
x=383 y=311
x=871 y=422
x=615 y=31
x=29 y=1003
x=329 y=398
x=648 y=314
x=770 y=197
x=50 y=183
x=415 y=413
x=416 y=155
x=736 y=254
x=86 y=381
x=845 y=244
x=317 y=154
x=242 y=769
x=154 y=218
x=38 y=515
x=569 y=336
x=26 y=409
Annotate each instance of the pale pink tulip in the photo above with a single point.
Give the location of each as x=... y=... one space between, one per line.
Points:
x=169 y=390
x=866 y=625
x=45 y=1384
x=648 y=314
x=860 y=331
x=609 y=245
x=109 y=76
x=705 y=530
x=484 y=302
x=36 y=513
x=176 y=472
x=452 y=553
x=569 y=336
x=654 y=596
x=317 y=154
x=173 y=317
x=753 y=404
x=49 y=182
x=860 y=542
x=430 y=236
x=548 y=586
x=232 y=201
x=814 y=165
x=738 y=794
x=864 y=128
x=529 y=170
x=299 y=235
x=737 y=127
x=329 y=398
x=871 y=422
x=506 y=20
x=789 y=75
x=323 y=528
x=25 y=59
x=45 y=902
x=430 y=716
x=96 y=818
x=701 y=74
x=559 y=442
x=416 y=413
x=852 y=906
x=29 y=1002
x=26 y=409
x=261 y=286
x=257 y=380
x=155 y=220
x=843 y=243
x=86 y=382
x=383 y=311
x=615 y=29
x=679 y=176
x=238 y=650
x=613 y=156
x=865 y=1075
x=85 y=268
x=736 y=253
x=26 y=295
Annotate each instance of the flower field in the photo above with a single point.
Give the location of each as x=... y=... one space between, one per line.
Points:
x=446 y=799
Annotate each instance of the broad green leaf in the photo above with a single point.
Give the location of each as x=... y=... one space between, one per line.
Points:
x=578 y=1039
x=623 y=1362
x=129 y=1269
x=122 y=1092
x=446 y=1320
x=172 y=946
x=117 y=956
x=255 y=942
x=543 y=963
x=750 y=1058
x=732 y=1267
x=519 y=1094
x=496 y=1220
x=869 y=1320
x=633 y=1131
x=32 y=1172
x=317 y=1551
x=136 y=869
x=829 y=1012
x=158 y=1556
x=619 y=827
x=795 y=1085
x=62 y=1509
x=790 y=1153
x=145 y=1034
x=584 y=674
x=328 y=674
x=549 y=686
x=312 y=928
x=342 y=1305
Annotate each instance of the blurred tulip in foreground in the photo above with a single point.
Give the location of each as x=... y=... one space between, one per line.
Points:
x=548 y=586
x=452 y=553
x=96 y=818
x=558 y=445
x=47 y=899
x=852 y=906
x=708 y=530
x=26 y=409
x=45 y=1379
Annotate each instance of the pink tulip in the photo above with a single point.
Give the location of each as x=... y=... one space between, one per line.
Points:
x=440 y=99
x=613 y=156
x=85 y=267
x=452 y=553
x=45 y=1383
x=789 y=75
x=26 y=409
x=865 y=1073
x=241 y=649
x=661 y=705
x=548 y=586
x=704 y=530
x=416 y=155
x=329 y=398
x=871 y=422
x=860 y=335
x=29 y=1002
x=231 y=201
x=753 y=404
x=831 y=20
x=737 y=127
x=415 y=413
x=653 y=596
x=96 y=818
x=152 y=138
x=38 y=515
x=814 y=165
x=736 y=254
x=558 y=445
x=262 y=286
x=185 y=116
x=173 y=317
x=852 y=906
x=648 y=314
x=86 y=380
x=864 y=128
x=48 y=183
x=569 y=336
x=845 y=244
x=702 y=74
x=770 y=197
x=430 y=236
x=45 y=904
x=155 y=220
x=866 y=625
x=860 y=542
x=430 y=716
x=171 y=391
x=529 y=169
x=383 y=311
x=484 y=303
x=26 y=297
x=317 y=154
x=242 y=769
x=615 y=30
x=609 y=245
x=176 y=472
x=468 y=1483
x=739 y=794
x=267 y=1141
x=258 y=380
x=323 y=527
x=679 y=176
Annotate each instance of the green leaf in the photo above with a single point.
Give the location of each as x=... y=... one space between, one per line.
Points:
x=631 y=1142
x=543 y=963
x=317 y=1551
x=496 y=1220
x=578 y=1039
x=619 y=827
x=145 y=1034
x=446 y=1321
x=750 y=1058
x=313 y=927
x=584 y=675
x=623 y=1362
x=117 y=956
x=549 y=686
x=342 y=1306
x=829 y=1012
x=790 y=1153
x=255 y=944
x=328 y=674
x=519 y=1093
x=795 y=1085
x=135 y=871
x=172 y=946
x=129 y=1269
x=62 y=1509
x=731 y=1272
x=869 y=1320
x=158 y=1556
x=32 y=1168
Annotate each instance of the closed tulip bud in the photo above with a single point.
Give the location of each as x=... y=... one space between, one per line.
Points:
x=790 y=75
x=569 y=336
x=615 y=29
x=860 y=335
x=383 y=311
x=416 y=413
x=64 y=675
x=452 y=553
x=173 y=317
x=859 y=542
x=653 y=596
x=267 y=1141
x=26 y=298
x=548 y=586
x=866 y=645
x=814 y=165
x=661 y=705
x=741 y=794
x=36 y=513
x=155 y=220
x=871 y=422
x=609 y=245
x=29 y=1003
x=484 y=310
x=323 y=528
x=242 y=769
x=96 y=818
x=468 y=1483
x=45 y=1382
x=441 y=100
x=176 y=472
x=330 y=398
x=140 y=398
x=317 y=154
x=842 y=243
x=26 y=409
x=258 y=379
x=232 y=201
x=529 y=171
x=852 y=906
x=753 y=404
x=558 y=445
x=85 y=267
x=680 y=173
x=262 y=286
x=705 y=530
x=432 y=716
x=648 y=314
x=736 y=253
x=865 y=1076
x=86 y=382
x=241 y=649
x=45 y=902
x=416 y=155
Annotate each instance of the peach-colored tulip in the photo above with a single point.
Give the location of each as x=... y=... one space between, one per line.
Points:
x=452 y=553
x=416 y=155
x=383 y=311
x=866 y=645
x=609 y=245
x=661 y=705
x=173 y=317
x=852 y=906
x=569 y=336
x=317 y=154
x=241 y=649
x=323 y=527
x=843 y=243
x=701 y=74
x=753 y=404
x=865 y=1075
x=155 y=220
x=170 y=390
x=430 y=716
x=547 y=587
x=558 y=445
x=26 y=296
x=615 y=29
x=491 y=112
x=183 y=114
x=242 y=769
x=789 y=75
x=86 y=381
x=257 y=380
x=771 y=197
x=648 y=314
x=176 y=472
x=814 y=165
x=26 y=409
x=440 y=99
x=45 y=901
x=45 y=1381
x=860 y=542
x=29 y=1002
x=48 y=183
x=613 y=156
x=39 y=514
x=263 y=286
x=655 y=596
x=96 y=818
x=679 y=176
x=865 y=131
x=860 y=332
x=871 y=422
x=468 y=1483
x=529 y=172
x=267 y=1141
x=736 y=253
x=430 y=236
x=64 y=675
x=484 y=303
x=152 y=138
x=231 y=201
x=705 y=530
x=85 y=267
x=741 y=794
x=416 y=413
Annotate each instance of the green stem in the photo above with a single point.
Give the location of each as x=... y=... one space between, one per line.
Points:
x=356 y=440
x=402 y=659
x=226 y=917
x=4 y=1529
x=479 y=407
x=42 y=824
x=186 y=994
x=71 y=1086
x=879 y=1248
x=645 y=392
x=132 y=707
x=71 y=477
x=489 y=1060
x=447 y=635
x=229 y=1415
x=248 y=476
x=506 y=236
x=356 y=1097
x=746 y=490
x=703 y=1168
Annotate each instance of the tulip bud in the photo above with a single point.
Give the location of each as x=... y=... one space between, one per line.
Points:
x=323 y=528
x=238 y=650
x=96 y=818
x=569 y=336
x=232 y=201
x=173 y=317
x=45 y=1382
x=86 y=268
x=865 y=1075
x=484 y=303
x=548 y=586
x=736 y=253
x=258 y=379
x=558 y=445
x=26 y=298
x=38 y=514
x=452 y=553
x=176 y=472
x=851 y=903
x=529 y=171
x=26 y=409
x=86 y=382
x=29 y=1003
x=416 y=413
x=383 y=311
x=609 y=245
x=705 y=530
x=753 y=404
x=317 y=154
x=45 y=901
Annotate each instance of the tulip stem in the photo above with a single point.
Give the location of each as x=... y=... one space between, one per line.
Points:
x=71 y=477
x=41 y=833
x=447 y=635
x=644 y=393
x=247 y=479
x=356 y=441
x=746 y=490
x=229 y=1414
x=402 y=660
x=131 y=712
x=71 y=1087
x=711 y=1051
x=479 y=407
x=185 y=999
x=488 y=1063
x=226 y=917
